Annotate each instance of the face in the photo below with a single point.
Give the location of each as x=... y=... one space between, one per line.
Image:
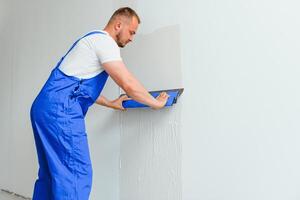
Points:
x=126 y=32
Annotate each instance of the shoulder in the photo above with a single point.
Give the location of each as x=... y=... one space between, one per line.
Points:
x=105 y=47
x=102 y=40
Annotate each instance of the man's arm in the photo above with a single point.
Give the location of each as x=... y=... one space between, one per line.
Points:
x=121 y=75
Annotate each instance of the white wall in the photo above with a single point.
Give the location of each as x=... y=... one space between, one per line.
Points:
x=239 y=110
x=240 y=126
x=34 y=35
x=233 y=134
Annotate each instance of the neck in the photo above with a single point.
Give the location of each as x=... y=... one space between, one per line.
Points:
x=110 y=31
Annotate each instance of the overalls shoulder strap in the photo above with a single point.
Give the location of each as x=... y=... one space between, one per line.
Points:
x=90 y=33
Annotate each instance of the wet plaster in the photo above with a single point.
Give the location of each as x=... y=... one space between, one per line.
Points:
x=150 y=142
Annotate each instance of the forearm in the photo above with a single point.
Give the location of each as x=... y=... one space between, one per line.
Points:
x=138 y=92
x=133 y=88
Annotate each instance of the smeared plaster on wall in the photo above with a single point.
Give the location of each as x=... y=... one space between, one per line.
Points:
x=150 y=149
x=150 y=154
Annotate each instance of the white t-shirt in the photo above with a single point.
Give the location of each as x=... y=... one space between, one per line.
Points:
x=85 y=59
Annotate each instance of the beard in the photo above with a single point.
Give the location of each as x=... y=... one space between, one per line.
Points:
x=119 y=43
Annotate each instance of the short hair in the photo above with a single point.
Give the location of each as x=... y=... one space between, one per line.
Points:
x=125 y=12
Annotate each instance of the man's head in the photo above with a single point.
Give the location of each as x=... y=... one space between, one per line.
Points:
x=123 y=25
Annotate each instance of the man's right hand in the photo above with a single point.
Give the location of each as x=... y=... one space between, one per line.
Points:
x=162 y=99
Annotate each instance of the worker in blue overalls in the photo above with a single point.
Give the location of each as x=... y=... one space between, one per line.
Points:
x=58 y=112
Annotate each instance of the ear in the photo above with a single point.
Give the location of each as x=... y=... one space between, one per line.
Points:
x=118 y=26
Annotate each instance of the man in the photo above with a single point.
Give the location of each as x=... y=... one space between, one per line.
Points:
x=58 y=112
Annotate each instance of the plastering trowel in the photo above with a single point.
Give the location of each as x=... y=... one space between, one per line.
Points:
x=173 y=96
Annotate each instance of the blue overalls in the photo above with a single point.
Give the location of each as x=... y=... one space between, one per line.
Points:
x=57 y=117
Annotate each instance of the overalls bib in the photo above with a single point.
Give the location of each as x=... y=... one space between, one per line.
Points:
x=57 y=117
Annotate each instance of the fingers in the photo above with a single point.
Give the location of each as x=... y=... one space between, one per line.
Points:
x=125 y=97
x=162 y=98
x=121 y=99
x=163 y=95
x=119 y=107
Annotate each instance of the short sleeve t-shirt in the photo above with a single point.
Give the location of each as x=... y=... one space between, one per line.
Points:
x=86 y=58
